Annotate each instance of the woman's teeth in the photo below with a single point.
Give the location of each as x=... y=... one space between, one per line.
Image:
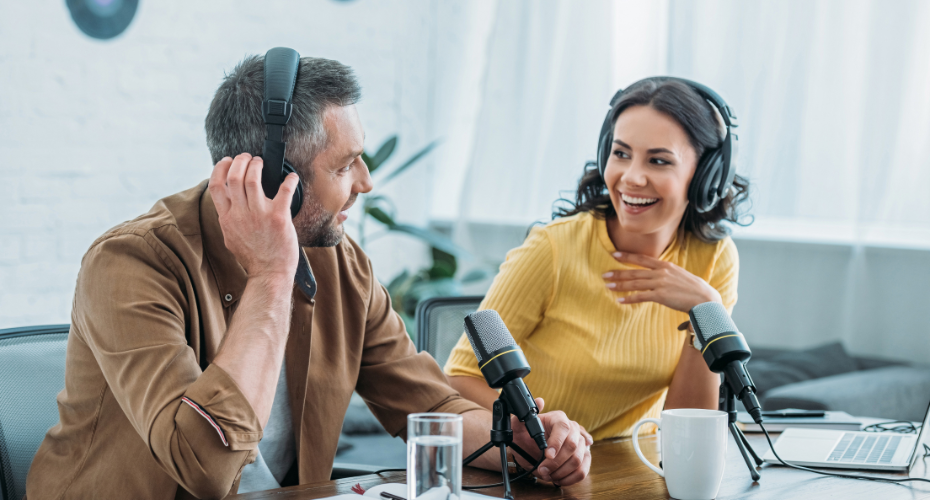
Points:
x=629 y=200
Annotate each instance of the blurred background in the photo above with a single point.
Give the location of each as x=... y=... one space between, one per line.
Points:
x=479 y=115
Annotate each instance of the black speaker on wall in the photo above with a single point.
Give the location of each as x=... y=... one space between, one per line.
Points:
x=102 y=19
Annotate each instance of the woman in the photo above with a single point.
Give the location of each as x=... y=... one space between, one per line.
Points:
x=598 y=298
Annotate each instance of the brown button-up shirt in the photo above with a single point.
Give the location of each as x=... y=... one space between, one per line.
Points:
x=145 y=415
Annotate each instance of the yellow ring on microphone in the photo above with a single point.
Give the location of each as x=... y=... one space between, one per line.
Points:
x=716 y=339
x=492 y=359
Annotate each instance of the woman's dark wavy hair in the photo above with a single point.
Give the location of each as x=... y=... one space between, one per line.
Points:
x=699 y=120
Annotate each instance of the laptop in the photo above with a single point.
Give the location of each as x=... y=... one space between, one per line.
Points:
x=879 y=451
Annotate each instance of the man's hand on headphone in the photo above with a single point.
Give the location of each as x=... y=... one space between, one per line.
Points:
x=258 y=231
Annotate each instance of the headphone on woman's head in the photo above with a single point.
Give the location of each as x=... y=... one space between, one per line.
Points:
x=280 y=77
x=716 y=168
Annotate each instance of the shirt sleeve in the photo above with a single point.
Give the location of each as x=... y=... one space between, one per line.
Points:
x=725 y=275
x=394 y=379
x=131 y=309
x=521 y=293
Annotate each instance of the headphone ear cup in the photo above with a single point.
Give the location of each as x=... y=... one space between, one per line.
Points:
x=702 y=193
x=603 y=152
x=729 y=149
x=298 y=199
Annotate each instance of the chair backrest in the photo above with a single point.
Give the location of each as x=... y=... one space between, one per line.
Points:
x=441 y=322
x=32 y=373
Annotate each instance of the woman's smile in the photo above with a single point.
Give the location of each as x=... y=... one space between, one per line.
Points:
x=637 y=204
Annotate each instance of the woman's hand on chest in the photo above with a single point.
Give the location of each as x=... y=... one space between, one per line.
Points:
x=659 y=281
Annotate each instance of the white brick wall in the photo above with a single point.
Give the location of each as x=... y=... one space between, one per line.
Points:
x=93 y=133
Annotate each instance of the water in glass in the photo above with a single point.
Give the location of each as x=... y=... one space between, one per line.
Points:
x=434 y=459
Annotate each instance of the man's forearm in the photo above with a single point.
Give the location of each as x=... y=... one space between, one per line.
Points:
x=474 y=389
x=253 y=347
x=476 y=431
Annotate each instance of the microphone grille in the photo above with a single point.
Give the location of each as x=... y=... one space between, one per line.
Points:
x=711 y=319
x=487 y=333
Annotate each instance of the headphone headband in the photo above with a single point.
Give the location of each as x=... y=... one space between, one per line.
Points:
x=280 y=69
x=716 y=168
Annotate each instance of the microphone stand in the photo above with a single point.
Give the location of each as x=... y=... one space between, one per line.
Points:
x=501 y=437
x=744 y=447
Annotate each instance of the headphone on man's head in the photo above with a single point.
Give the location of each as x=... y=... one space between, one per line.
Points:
x=280 y=77
x=716 y=167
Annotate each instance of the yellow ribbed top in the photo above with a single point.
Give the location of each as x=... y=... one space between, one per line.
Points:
x=605 y=364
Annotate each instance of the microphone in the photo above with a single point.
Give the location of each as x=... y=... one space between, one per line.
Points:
x=503 y=365
x=725 y=350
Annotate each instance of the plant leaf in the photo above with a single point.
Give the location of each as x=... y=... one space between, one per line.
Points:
x=398 y=281
x=433 y=239
x=368 y=162
x=372 y=199
x=440 y=270
x=384 y=152
x=433 y=288
x=407 y=164
x=444 y=265
x=381 y=216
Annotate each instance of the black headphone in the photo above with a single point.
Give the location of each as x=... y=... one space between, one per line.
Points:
x=716 y=168
x=280 y=77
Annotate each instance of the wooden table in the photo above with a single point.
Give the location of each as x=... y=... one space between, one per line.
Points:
x=616 y=472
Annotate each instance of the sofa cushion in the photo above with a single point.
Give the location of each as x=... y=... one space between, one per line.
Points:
x=897 y=393
x=797 y=366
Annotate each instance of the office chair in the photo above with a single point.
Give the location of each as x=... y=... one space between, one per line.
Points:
x=441 y=323
x=32 y=373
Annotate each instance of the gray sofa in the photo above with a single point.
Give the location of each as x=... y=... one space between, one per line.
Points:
x=828 y=378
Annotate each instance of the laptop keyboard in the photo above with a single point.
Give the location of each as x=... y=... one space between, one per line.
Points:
x=859 y=449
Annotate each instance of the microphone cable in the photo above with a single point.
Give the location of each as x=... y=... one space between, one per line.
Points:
x=515 y=478
x=834 y=474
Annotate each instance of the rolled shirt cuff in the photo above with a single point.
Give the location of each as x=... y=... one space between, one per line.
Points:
x=216 y=400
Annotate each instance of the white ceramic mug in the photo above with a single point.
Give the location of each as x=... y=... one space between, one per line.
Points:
x=694 y=451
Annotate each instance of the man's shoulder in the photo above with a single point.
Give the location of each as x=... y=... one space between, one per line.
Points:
x=173 y=217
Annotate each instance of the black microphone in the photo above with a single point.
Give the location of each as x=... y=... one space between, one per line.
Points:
x=725 y=350
x=503 y=365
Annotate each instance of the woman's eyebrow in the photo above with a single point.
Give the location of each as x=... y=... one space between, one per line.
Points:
x=650 y=151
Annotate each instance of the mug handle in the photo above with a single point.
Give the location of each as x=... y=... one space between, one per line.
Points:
x=639 y=452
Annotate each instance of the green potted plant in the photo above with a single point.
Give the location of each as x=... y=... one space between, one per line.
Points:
x=437 y=279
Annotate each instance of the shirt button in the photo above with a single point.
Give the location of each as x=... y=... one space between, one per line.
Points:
x=228 y=297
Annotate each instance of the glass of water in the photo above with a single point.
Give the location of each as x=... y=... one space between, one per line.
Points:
x=434 y=456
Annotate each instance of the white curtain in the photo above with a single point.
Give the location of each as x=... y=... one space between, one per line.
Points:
x=833 y=100
x=546 y=75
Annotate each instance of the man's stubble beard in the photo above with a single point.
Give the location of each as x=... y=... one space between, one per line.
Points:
x=314 y=224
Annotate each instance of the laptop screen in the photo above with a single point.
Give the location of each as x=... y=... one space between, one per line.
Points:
x=922 y=437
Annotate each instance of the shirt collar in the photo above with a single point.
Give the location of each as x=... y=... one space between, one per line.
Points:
x=230 y=275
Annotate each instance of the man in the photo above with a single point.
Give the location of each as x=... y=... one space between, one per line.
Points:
x=189 y=337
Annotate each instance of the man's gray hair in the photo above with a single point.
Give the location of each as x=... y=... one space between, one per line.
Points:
x=234 y=122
